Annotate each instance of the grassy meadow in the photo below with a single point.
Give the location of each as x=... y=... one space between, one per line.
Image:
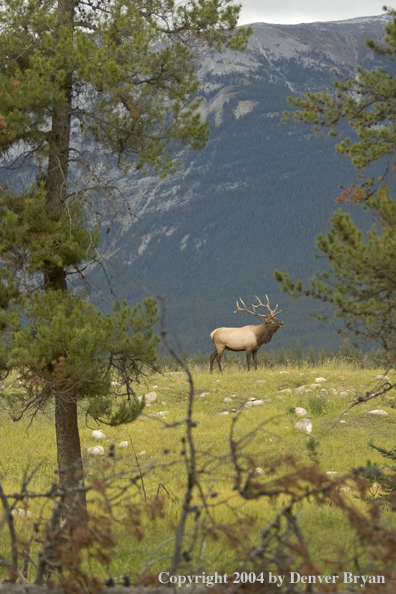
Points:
x=264 y=434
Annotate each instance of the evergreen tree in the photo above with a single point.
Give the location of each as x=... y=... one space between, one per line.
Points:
x=361 y=280
x=121 y=72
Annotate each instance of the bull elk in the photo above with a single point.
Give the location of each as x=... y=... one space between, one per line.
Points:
x=248 y=338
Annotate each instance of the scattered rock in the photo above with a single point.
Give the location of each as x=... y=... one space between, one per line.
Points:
x=301 y=412
x=163 y=413
x=17 y=512
x=155 y=386
x=320 y=380
x=204 y=394
x=256 y=472
x=98 y=434
x=115 y=384
x=383 y=377
x=304 y=425
x=343 y=422
x=123 y=444
x=141 y=453
x=301 y=389
x=287 y=390
x=224 y=412
x=284 y=373
x=96 y=450
x=150 y=397
x=379 y=412
x=314 y=386
x=227 y=400
x=331 y=472
x=344 y=393
x=253 y=402
x=251 y=399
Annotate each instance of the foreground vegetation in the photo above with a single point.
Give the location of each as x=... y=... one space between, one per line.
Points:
x=265 y=435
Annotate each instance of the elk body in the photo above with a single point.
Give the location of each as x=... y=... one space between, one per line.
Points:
x=248 y=338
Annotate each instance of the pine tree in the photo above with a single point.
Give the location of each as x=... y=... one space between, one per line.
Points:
x=121 y=73
x=361 y=279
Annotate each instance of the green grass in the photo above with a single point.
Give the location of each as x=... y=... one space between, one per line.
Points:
x=270 y=433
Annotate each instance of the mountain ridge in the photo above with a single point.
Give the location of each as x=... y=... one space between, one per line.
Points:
x=255 y=198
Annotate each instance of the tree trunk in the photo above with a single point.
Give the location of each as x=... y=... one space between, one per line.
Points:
x=70 y=464
x=66 y=421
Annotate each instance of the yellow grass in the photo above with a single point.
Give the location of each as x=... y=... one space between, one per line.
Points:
x=265 y=432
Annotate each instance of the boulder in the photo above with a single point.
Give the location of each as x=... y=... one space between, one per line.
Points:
x=98 y=434
x=96 y=451
x=301 y=412
x=304 y=425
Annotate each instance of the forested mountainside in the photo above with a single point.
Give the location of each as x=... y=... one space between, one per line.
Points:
x=254 y=199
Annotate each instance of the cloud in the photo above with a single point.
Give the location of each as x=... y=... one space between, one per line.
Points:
x=292 y=11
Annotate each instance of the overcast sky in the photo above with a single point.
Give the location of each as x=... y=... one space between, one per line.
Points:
x=308 y=11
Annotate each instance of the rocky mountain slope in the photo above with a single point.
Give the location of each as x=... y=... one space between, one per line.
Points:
x=254 y=199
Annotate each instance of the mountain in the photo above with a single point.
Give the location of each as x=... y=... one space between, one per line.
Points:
x=254 y=199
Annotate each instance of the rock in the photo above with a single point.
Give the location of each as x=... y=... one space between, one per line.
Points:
x=155 y=386
x=96 y=450
x=123 y=444
x=150 y=397
x=224 y=412
x=17 y=512
x=227 y=400
x=287 y=390
x=301 y=412
x=250 y=403
x=379 y=412
x=383 y=377
x=141 y=453
x=284 y=373
x=344 y=393
x=343 y=422
x=334 y=391
x=314 y=386
x=331 y=472
x=301 y=389
x=204 y=394
x=256 y=472
x=320 y=380
x=98 y=434
x=304 y=425
x=251 y=399
x=163 y=413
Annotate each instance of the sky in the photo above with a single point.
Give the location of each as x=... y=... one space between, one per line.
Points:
x=308 y=11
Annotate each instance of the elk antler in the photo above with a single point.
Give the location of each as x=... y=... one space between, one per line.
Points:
x=272 y=313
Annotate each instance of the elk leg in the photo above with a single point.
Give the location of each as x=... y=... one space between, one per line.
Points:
x=248 y=353
x=254 y=353
x=213 y=356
